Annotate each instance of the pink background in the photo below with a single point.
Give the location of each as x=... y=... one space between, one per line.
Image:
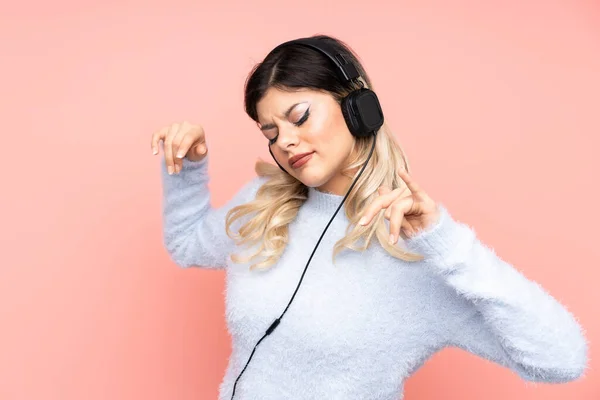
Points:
x=496 y=103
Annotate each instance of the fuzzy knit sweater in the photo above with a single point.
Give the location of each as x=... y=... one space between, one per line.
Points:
x=358 y=329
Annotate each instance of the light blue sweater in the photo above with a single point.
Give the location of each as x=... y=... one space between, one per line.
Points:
x=358 y=329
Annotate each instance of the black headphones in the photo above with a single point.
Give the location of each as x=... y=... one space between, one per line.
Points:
x=364 y=117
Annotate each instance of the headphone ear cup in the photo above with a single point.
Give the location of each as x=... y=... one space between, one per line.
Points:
x=349 y=116
x=362 y=112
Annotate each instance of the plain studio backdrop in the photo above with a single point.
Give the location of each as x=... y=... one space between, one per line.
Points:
x=495 y=102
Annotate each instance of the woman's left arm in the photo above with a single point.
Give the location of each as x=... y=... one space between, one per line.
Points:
x=509 y=319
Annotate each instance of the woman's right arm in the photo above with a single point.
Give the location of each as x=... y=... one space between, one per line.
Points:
x=193 y=231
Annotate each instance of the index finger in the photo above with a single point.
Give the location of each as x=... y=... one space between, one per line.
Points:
x=410 y=183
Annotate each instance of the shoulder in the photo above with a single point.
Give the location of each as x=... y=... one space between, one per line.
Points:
x=253 y=184
x=248 y=190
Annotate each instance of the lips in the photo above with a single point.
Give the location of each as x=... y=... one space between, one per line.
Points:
x=297 y=158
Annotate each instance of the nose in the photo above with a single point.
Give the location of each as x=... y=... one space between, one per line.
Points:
x=288 y=136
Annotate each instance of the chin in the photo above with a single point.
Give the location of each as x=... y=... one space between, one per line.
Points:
x=313 y=179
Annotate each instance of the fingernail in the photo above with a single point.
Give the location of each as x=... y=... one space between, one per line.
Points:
x=202 y=149
x=154 y=151
x=392 y=239
x=180 y=155
x=170 y=170
x=362 y=221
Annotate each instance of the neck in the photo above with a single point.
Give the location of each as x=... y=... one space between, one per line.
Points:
x=338 y=184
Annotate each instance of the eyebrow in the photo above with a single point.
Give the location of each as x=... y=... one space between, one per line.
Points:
x=266 y=127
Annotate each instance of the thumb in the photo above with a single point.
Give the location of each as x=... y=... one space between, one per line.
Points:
x=200 y=148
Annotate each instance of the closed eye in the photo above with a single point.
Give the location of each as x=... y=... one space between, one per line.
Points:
x=297 y=123
x=303 y=118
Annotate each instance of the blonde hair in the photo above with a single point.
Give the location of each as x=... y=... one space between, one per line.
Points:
x=279 y=199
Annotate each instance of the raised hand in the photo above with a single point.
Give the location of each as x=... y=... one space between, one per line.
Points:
x=408 y=208
x=180 y=139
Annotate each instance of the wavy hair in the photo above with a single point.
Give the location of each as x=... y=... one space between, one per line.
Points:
x=279 y=199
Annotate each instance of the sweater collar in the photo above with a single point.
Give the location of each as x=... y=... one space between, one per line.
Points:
x=323 y=201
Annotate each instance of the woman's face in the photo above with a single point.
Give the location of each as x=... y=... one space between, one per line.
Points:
x=307 y=121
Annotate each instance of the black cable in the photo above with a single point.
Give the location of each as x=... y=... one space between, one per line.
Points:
x=278 y=320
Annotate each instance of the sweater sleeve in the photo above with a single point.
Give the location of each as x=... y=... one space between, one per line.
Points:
x=193 y=231
x=501 y=315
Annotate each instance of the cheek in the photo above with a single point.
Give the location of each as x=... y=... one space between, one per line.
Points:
x=324 y=128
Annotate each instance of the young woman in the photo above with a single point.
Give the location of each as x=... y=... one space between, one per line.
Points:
x=394 y=278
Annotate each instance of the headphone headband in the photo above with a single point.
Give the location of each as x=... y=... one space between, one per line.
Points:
x=346 y=69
